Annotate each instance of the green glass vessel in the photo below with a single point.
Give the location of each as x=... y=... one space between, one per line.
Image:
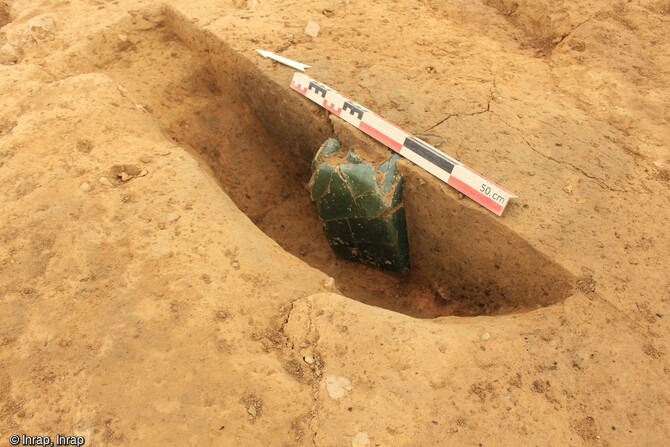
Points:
x=361 y=208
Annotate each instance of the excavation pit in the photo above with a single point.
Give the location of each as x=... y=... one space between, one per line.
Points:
x=257 y=138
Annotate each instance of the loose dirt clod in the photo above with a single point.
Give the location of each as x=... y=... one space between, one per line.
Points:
x=9 y=54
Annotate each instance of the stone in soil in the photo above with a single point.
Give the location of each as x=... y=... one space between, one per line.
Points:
x=337 y=387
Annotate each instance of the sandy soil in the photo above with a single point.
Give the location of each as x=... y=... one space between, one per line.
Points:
x=163 y=276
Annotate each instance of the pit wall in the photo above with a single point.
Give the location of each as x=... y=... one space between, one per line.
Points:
x=455 y=245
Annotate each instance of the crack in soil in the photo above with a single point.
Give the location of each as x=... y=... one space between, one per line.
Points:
x=598 y=180
x=494 y=87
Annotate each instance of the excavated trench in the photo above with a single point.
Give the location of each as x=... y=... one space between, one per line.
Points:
x=257 y=138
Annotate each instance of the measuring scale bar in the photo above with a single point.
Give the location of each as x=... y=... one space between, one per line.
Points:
x=480 y=189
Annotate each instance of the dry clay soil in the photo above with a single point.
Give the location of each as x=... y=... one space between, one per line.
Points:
x=163 y=276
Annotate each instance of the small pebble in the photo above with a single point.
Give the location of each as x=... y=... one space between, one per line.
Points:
x=173 y=217
x=486 y=336
x=309 y=359
x=252 y=411
x=337 y=387
x=443 y=294
x=568 y=189
x=235 y=265
x=312 y=29
x=124 y=176
x=361 y=439
x=329 y=284
x=105 y=181
x=143 y=173
x=145 y=159
x=85 y=187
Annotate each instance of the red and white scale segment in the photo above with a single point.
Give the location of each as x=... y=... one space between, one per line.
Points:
x=480 y=189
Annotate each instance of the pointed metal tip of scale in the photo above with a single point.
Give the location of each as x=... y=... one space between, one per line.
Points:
x=283 y=60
